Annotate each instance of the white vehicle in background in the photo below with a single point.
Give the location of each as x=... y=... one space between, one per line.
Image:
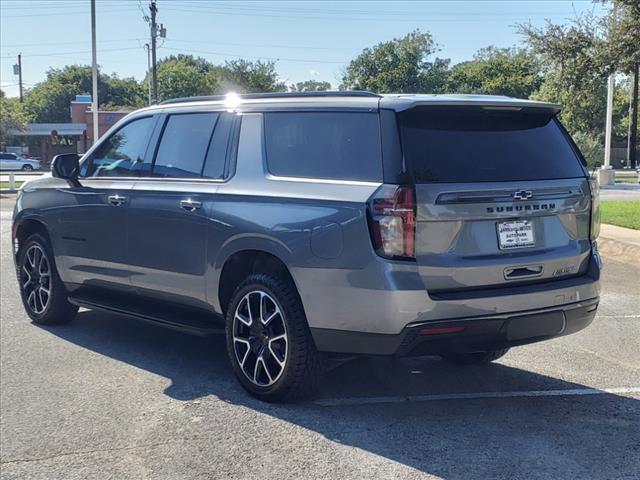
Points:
x=11 y=161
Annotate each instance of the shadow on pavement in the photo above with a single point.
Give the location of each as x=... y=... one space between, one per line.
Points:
x=595 y=436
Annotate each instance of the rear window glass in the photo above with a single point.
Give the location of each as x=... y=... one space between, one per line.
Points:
x=331 y=145
x=474 y=145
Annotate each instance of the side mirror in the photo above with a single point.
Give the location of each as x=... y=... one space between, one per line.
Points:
x=66 y=166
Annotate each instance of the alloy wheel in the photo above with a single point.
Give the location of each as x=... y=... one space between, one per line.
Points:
x=35 y=277
x=260 y=341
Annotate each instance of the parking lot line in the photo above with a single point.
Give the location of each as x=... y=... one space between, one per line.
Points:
x=336 y=402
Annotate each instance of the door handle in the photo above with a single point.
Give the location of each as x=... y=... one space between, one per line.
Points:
x=190 y=205
x=116 y=200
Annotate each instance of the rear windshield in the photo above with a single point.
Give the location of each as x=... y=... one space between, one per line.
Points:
x=476 y=145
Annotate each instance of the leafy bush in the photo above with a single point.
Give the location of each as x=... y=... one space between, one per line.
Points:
x=592 y=149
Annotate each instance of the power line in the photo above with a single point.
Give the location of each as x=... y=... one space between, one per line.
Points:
x=340 y=11
x=452 y=18
x=23 y=45
x=71 y=53
x=273 y=59
x=66 y=13
x=262 y=45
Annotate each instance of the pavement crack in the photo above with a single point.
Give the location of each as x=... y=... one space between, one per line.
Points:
x=85 y=452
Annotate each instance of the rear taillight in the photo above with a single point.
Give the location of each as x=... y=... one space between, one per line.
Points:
x=392 y=221
x=595 y=208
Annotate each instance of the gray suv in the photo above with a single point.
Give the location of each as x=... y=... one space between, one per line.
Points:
x=321 y=225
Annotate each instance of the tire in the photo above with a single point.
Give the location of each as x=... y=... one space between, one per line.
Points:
x=37 y=274
x=27 y=168
x=274 y=359
x=476 y=358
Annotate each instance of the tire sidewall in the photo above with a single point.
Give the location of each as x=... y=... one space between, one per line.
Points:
x=42 y=242
x=265 y=283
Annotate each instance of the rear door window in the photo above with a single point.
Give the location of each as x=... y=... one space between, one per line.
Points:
x=184 y=145
x=328 y=145
x=476 y=145
x=216 y=160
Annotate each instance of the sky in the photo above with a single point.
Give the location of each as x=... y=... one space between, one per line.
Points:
x=307 y=39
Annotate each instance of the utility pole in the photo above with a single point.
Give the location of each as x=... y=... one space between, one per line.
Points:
x=154 y=33
x=632 y=143
x=20 y=74
x=94 y=73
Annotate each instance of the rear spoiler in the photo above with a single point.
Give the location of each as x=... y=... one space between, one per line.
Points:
x=400 y=103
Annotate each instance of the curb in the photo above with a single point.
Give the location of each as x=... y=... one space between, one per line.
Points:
x=619 y=243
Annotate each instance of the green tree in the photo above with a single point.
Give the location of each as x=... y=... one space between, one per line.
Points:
x=310 y=86
x=185 y=76
x=399 y=65
x=578 y=57
x=622 y=30
x=497 y=71
x=12 y=116
x=574 y=75
x=48 y=101
x=592 y=149
x=244 y=76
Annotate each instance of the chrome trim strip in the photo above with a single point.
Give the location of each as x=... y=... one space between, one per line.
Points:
x=269 y=176
x=157 y=179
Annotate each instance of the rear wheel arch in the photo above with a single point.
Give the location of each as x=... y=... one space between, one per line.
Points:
x=243 y=263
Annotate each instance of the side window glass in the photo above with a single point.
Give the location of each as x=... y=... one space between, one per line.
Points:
x=217 y=154
x=122 y=155
x=184 y=145
x=331 y=145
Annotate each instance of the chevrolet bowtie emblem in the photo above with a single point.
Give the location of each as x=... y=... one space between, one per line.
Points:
x=522 y=195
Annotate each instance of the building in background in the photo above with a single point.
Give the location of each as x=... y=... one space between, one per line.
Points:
x=81 y=113
x=46 y=140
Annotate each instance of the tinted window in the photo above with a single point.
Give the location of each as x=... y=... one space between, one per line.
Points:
x=217 y=154
x=122 y=154
x=333 y=145
x=474 y=145
x=8 y=156
x=184 y=145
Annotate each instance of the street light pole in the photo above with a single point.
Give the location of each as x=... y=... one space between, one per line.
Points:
x=94 y=73
x=148 y=49
x=632 y=160
x=20 y=74
x=606 y=175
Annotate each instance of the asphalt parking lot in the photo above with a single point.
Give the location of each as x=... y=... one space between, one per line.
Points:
x=108 y=397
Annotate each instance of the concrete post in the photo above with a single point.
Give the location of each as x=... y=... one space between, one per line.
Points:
x=606 y=175
x=12 y=181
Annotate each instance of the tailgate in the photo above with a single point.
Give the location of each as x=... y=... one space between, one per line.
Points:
x=468 y=235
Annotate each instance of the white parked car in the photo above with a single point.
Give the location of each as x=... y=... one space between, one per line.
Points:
x=11 y=161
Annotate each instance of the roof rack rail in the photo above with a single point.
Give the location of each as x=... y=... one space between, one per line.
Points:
x=251 y=96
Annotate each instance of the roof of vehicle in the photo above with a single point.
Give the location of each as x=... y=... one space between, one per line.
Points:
x=353 y=99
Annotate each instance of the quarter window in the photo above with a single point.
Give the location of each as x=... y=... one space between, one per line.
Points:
x=330 y=145
x=122 y=154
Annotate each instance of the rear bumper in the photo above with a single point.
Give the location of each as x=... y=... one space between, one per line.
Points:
x=471 y=334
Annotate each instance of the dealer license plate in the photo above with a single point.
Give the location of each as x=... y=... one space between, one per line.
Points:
x=515 y=234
